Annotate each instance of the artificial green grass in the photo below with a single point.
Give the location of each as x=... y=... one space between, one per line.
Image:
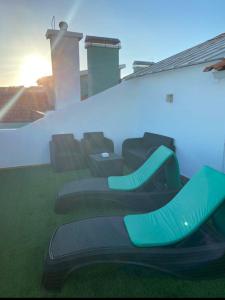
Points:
x=27 y=221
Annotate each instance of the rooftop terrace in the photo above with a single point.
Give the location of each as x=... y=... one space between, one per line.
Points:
x=175 y=99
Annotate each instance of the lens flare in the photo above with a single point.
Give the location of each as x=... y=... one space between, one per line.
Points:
x=71 y=15
x=6 y=108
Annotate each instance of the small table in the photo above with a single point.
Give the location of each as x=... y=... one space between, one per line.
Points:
x=106 y=166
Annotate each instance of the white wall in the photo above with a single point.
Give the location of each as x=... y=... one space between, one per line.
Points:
x=112 y=111
x=5 y=125
x=195 y=119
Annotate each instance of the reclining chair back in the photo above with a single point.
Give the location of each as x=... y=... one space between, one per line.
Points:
x=65 y=142
x=99 y=135
x=162 y=156
x=65 y=152
x=183 y=215
x=154 y=140
x=95 y=142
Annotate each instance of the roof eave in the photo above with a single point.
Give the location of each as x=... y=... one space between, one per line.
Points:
x=133 y=76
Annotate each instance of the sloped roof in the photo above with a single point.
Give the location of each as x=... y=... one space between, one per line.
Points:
x=29 y=107
x=208 y=51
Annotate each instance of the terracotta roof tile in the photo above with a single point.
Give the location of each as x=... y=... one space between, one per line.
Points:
x=27 y=108
x=218 y=67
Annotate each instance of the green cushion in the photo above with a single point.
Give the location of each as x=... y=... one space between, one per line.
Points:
x=189 y=209
x=137 y=178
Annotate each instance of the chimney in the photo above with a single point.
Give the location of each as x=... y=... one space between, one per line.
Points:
x=65 y=64
x=103 y=63
x=139 y=65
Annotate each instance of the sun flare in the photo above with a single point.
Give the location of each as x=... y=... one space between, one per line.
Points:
x=33 y=67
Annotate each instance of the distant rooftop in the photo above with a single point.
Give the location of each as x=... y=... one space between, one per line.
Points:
x=210 y=50
x=30 y=106
x=143 y=63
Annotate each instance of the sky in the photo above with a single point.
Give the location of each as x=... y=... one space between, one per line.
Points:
x=149 y=30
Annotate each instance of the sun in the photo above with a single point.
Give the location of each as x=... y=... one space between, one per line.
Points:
x=33 y=67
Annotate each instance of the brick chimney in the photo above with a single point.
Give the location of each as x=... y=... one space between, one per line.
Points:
x=65 y=64
x=103 y=63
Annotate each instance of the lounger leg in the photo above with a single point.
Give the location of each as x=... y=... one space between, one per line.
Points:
x=54 y=275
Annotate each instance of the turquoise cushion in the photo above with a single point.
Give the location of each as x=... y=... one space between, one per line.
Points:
x=147 y=170
x=189 y=209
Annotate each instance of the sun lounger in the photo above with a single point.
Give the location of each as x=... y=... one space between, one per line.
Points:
x=175 y=239
x=134 y=190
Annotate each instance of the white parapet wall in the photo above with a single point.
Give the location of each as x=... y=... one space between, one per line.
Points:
x=195 y=119
x=112 y=111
